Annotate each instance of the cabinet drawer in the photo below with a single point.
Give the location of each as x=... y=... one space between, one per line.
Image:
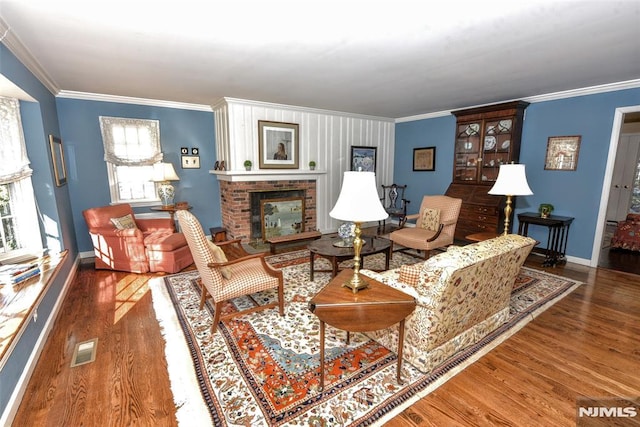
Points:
x=478 y=217
x=474 y=227
x=483 y=210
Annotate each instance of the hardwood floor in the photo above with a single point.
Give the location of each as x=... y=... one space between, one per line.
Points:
x=585 y=345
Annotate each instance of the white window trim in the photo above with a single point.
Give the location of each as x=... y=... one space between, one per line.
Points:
x=112 y=160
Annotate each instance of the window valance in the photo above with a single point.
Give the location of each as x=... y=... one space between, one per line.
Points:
x=131 y=142
x=13 y=152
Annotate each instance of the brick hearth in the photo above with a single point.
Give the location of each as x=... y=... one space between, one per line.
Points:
x=236 y=203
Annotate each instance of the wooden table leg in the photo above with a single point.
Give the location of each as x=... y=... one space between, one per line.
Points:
x=400 y=346
x=321 y=355
x=311 y=256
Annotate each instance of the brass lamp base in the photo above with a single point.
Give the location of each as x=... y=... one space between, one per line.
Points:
x=356 y=283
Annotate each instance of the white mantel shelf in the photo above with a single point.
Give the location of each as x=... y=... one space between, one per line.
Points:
x=267 y=175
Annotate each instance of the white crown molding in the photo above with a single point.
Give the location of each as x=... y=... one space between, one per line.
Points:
x=263 y=104
x=130 y=100
x=15 y=46
x=591 y=90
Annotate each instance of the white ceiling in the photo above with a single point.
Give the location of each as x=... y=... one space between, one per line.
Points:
x=389 y=59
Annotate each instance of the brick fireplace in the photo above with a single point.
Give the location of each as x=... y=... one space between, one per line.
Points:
x=236 y=204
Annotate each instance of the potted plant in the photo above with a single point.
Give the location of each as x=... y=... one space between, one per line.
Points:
x=247 y=165
x=545 y=209
x=312 y=165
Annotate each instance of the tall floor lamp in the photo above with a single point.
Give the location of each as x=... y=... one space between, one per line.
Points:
x=358 y=202
x=512 y=181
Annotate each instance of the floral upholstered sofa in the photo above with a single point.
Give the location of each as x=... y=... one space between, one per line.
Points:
x=462 y=295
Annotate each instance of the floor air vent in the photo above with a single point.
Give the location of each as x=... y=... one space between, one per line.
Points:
x=85 y=352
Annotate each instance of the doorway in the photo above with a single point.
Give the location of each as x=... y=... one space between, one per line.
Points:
x=620 y=191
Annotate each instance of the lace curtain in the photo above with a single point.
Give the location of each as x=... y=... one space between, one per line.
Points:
x=131 y=142
x=13 y=152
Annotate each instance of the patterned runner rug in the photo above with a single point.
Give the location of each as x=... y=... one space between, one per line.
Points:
x=261 y=369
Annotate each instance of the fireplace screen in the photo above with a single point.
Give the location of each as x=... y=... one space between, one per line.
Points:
x=281 y=217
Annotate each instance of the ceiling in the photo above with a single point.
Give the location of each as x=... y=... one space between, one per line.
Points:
x=387 y=59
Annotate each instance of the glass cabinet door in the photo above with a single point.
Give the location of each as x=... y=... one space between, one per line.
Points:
x=496 y=147
x=468 y=138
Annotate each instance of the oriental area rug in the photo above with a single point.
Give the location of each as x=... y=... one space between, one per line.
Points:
x=261 y=369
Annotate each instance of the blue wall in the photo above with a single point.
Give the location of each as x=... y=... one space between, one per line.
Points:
x=573 y=193
x=88 y=181
x=39 y=119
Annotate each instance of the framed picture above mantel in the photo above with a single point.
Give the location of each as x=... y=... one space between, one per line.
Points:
x=278 y=145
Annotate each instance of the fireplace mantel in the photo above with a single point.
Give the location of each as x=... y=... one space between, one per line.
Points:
x=267 y=175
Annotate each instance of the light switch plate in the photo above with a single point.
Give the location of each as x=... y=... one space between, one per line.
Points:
x=190 y=162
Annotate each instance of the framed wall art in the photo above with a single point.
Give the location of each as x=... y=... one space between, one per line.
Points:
x=278 y=145
x=57 y=158
x=424 y=159
x=562 y=153
x=363 y=159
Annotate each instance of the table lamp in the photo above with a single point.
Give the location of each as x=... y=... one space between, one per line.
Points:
x=512 y=181
x=164 y=173
x=358 y=202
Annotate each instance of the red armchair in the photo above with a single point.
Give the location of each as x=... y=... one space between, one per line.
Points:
x=135 y=245
x=627 y=234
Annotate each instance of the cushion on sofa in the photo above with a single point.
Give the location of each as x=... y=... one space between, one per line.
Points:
x=124 y=222
x=410 y=273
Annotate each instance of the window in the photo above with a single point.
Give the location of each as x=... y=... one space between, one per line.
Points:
x=19 y=231
x=131 y=148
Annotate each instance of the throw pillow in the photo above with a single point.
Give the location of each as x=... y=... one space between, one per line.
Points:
x=219 y=256
x=124 y=222
x=430 y=219
x=410 y=273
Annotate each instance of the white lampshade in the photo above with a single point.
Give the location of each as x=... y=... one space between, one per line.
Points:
x=163 y=172
x=359 y=200
x=512 y=181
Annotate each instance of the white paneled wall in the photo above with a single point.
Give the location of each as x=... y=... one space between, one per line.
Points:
x=325 y=136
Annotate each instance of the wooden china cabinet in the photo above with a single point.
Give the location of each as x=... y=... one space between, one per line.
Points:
x=486 y=137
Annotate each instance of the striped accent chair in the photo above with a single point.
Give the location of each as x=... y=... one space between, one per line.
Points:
x=435 y=225
x=244 y=276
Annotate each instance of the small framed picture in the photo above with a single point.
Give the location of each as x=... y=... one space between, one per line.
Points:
x=278 y=145
x=562 y=153
x=363 y=159
x=57 y=157
x=424 y=159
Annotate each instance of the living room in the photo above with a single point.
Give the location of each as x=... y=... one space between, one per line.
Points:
x=594 y=112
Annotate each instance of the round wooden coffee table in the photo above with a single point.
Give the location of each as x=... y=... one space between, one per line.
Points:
x=335 y=255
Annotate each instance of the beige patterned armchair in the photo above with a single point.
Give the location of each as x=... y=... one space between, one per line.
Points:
x=435 y=225
x=225 y=280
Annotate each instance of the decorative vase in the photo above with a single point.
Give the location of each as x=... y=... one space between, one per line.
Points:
x=166 y=192
x=347 y=232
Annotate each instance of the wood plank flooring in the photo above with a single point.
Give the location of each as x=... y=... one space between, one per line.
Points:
x=585 y=345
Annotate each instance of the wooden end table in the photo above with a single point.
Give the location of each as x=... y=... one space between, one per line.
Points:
x=335 y=254
x=481 y=237
x=171 y=210
x=377 y=307
x=557 y=237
